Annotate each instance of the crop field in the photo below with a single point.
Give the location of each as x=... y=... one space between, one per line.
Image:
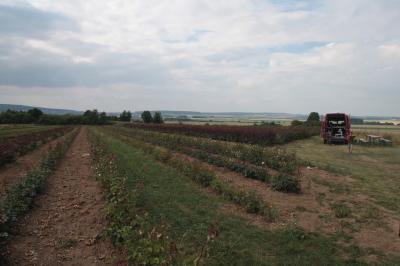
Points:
x=241 y=194
x=15 y=130
x=25 y=139
x=183 y=195
x=200 y=133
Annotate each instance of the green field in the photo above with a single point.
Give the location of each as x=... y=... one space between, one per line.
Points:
x=171 y=198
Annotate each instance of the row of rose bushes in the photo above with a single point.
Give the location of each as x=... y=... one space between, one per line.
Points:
x=263 y=135
x=205 y=177
x=12 y=147
x=276 y=157
x=282 y=181
x=129 y=227
x=19 y=197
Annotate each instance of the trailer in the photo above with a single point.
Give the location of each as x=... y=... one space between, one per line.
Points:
x=335 y=128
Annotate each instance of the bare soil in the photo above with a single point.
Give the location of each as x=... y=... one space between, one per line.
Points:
x=12 y=172
x=66 y=226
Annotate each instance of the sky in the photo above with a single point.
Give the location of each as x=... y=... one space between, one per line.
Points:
x=202 y=55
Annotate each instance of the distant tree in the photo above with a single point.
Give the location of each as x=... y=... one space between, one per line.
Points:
x=146 y=116
x=313 y=119
x=355 y=120
x=296 y=123
x=158 y=118
x=91 y=117
x=35 y=113
x=125 y=116
x=102 y=118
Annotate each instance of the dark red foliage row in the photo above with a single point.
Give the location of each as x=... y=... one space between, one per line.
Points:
x=264 y=135
x=11 y=147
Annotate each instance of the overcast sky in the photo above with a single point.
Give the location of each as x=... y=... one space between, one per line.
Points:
x=211 y=55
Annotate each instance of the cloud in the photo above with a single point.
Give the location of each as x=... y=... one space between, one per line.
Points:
x=26 y=20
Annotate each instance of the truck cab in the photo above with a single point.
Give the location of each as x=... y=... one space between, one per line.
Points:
x=335 y=128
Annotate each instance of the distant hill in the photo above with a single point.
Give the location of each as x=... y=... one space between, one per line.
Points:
x=52 y=111
x=174 y=114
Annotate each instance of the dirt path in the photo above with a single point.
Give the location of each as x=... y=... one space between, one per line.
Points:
x=12 y=172
x=66 y=225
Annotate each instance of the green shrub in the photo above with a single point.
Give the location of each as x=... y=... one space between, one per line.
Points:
x=285 y=183
x=252 y=202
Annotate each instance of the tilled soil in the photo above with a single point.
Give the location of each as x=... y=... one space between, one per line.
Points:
x=67 y=223
x=12 y=172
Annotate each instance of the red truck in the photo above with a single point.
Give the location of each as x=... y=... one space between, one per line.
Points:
x=335 y=128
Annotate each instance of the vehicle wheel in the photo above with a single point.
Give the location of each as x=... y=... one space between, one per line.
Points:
x=324 y=141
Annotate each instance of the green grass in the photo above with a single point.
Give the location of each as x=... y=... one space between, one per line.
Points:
x=171 y=198
x=375 y=169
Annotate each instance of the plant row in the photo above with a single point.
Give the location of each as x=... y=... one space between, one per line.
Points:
x=19 y=197
x=280 y=182
x=147 y=204
x=12 y=147
x=201 y=175
x=264 y=135
x=275 y=158
x=129 y=226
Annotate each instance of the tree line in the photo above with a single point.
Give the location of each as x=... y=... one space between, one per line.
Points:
x=148 y=118
x=89 y=117
x=36 y=116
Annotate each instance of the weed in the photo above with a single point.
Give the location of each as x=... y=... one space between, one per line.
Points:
x=66 y=243
x=285 y=183
x=341 y=210
x=301 y=208
x=320 y=198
